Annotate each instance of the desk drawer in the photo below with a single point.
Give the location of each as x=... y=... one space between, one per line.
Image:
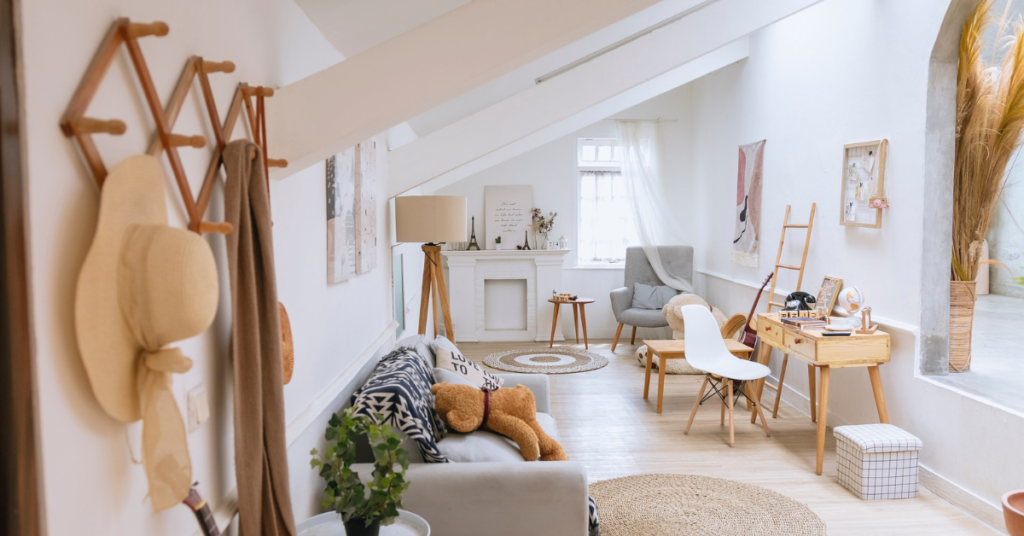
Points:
x=769 y=331
x=798 y=343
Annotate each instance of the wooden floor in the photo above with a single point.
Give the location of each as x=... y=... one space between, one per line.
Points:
x=605 y=423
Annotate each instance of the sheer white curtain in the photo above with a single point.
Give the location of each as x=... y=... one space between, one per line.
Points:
x=652 y=215
x=606 y=223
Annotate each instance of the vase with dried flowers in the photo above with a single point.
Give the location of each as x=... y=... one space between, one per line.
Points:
x=989 y=122
x=542 y=226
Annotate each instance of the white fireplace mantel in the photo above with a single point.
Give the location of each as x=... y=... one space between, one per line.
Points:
x=468 y=273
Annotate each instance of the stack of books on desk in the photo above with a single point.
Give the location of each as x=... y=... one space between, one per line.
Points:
x=805 y=323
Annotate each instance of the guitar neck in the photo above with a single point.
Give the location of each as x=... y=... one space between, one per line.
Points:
x=206 y=520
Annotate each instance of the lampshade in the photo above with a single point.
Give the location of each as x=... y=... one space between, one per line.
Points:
x=430 y=218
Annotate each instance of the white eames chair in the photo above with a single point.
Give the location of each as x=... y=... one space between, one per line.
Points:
x=706 y=351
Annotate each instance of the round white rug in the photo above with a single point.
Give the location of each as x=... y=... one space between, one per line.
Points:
x=546 y=361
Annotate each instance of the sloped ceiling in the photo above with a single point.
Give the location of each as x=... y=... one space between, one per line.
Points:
x=353 y=26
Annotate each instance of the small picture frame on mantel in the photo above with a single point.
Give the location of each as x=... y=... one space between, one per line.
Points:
x=863 y=184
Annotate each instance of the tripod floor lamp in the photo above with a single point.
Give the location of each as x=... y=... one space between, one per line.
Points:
x=434 y=220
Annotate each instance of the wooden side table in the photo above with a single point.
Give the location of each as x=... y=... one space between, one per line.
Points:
x=579 y=312
x=676 y=349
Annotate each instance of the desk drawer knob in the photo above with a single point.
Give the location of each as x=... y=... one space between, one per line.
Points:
x=798 y=341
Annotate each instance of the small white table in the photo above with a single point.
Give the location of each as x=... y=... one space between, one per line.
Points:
x=329 y=524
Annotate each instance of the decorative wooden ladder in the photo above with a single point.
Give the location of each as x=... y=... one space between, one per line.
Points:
x=771 y=295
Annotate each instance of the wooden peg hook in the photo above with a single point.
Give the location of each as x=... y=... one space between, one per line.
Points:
x=89 y=125
x=259 y=91
x=218 y=67
x=224 y=228
x=139 y=29
x=181 y=140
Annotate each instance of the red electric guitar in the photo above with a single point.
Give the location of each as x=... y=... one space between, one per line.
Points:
x=749 y=333
x=201 y=509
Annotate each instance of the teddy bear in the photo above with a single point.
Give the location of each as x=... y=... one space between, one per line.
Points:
x=510 y=411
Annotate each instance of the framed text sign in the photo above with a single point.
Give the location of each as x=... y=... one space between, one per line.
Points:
x=507 y=214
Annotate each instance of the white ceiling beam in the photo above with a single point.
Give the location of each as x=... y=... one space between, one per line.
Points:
x=424 y=67
x=560 y=99
x=707 y=64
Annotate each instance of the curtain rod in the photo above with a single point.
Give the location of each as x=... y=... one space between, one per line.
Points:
x=658 y=120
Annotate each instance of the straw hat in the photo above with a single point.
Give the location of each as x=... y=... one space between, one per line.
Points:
x=143 y=286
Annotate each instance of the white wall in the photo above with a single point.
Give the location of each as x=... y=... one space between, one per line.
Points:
x=551 y=170
x=90 y=484
x=840 y=72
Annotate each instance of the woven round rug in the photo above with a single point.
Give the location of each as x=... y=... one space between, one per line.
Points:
x=678 y=505
x=546 y=361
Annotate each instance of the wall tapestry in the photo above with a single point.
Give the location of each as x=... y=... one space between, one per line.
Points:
x=366 y=206
x=748 y=205
x=341 y=219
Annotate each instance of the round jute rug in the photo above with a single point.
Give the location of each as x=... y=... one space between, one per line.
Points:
x=546 y=361
x=677 y=505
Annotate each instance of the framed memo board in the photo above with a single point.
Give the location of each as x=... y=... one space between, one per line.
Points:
x=507 y=213
x=863 y=184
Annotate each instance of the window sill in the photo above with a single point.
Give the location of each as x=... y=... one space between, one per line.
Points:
x=587 y=267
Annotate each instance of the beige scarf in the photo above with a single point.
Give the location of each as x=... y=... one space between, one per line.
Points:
x=261 y=462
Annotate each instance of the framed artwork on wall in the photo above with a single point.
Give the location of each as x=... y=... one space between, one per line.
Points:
x=508 y=214
x=341 y=218
x=863 y=184
x=365 y=168
x=827 y=294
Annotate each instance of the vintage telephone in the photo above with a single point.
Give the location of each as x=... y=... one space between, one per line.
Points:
x=800 y=301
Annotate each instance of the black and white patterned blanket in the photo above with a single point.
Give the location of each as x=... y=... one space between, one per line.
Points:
x=399 y=392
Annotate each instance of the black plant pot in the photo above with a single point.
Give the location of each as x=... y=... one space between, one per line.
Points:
x=357 y=527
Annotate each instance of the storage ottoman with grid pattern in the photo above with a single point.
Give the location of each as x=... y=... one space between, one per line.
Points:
x=877 y=461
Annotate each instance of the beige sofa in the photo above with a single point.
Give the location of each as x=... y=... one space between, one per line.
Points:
x=488 y=488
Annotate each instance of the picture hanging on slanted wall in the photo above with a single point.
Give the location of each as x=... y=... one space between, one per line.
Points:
x=365 y=169
x=341 y=218
x=748 y=205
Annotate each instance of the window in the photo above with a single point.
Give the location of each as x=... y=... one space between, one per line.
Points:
x=605 y=218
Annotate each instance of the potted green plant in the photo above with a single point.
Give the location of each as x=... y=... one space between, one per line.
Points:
x=497 y=243
x=363 y=508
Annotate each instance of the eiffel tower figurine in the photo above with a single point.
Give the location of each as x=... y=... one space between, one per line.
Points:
x=473 y=246
x=526 y=237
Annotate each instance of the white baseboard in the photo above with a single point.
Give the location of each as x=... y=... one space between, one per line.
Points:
x=322 y=401
x=966 y=501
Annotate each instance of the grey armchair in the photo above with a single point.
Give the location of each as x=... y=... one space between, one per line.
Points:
x=678 y=260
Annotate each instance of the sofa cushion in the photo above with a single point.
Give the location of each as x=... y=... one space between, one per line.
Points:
x=644 y=318
x=420 y=343
x=455 y=362
x=651 y=297
x=484 y=446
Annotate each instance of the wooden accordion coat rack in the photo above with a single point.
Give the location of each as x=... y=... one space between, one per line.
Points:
x=77 y=125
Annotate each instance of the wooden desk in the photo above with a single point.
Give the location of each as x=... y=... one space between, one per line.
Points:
x=579 y=312
x=824 y=353
x=673 y=349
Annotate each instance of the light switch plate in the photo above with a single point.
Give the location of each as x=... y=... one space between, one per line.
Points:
x=198 y=407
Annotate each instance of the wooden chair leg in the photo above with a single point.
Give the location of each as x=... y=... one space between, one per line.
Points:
x=696 y=404
x=616 y=341
x=732 y=414
x=810 y=391
x=778 y=392
x=721 y=420
x=632 y=338
x=757 y=404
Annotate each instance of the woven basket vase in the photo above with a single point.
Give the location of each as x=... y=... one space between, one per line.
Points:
x=962 y=295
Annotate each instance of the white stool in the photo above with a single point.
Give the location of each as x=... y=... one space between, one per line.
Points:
x=877 y=461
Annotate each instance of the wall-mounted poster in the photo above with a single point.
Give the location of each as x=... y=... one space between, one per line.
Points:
x=748 y=205
x=341 y=219
x=507 y=212
x=366 y=206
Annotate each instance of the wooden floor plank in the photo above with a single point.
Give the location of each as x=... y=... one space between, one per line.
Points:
x=604 y=423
